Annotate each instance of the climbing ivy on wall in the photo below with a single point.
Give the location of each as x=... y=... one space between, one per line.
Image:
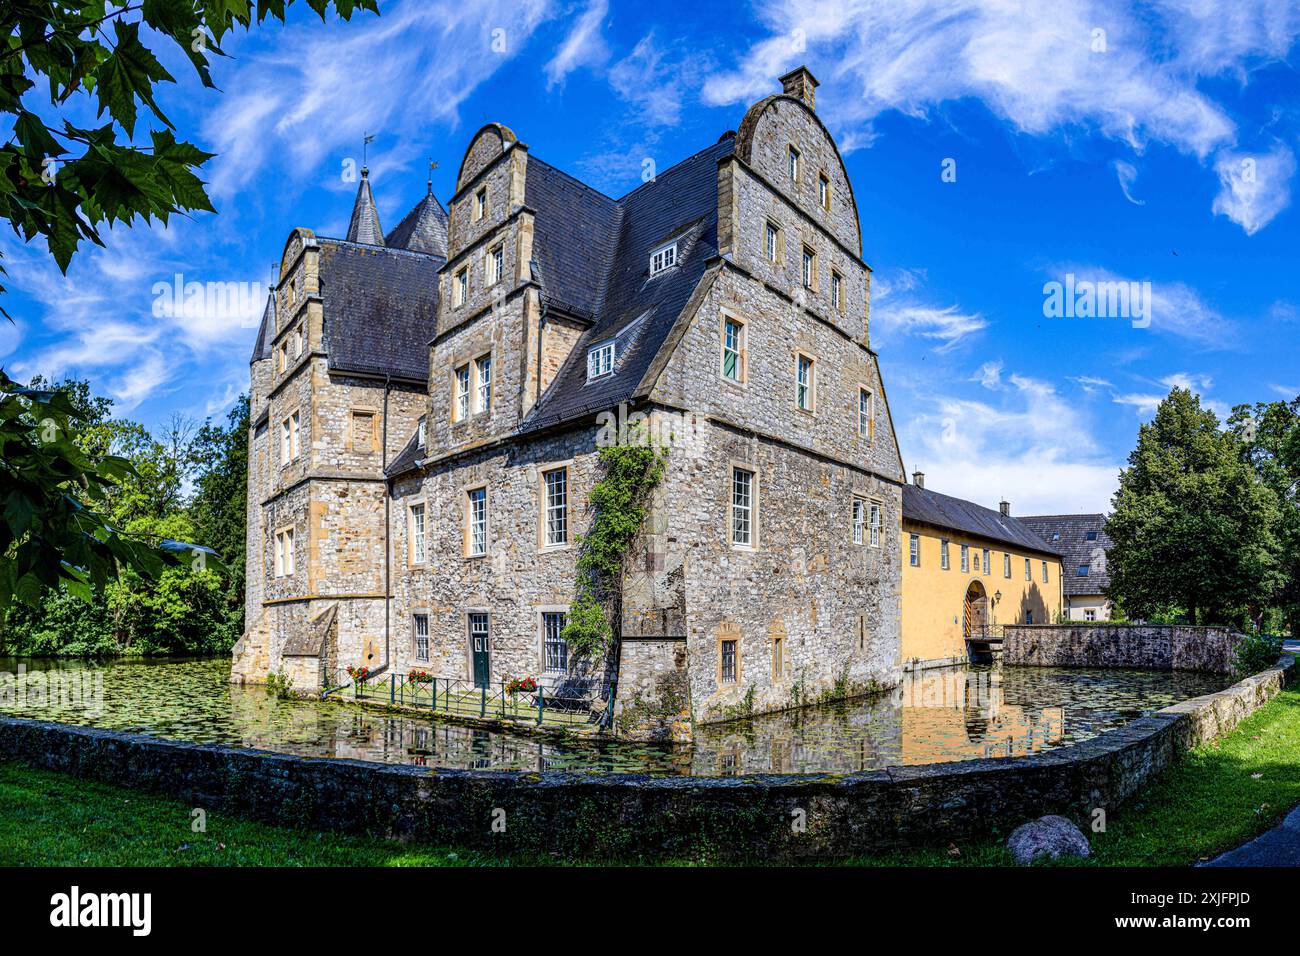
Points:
x=632 y=470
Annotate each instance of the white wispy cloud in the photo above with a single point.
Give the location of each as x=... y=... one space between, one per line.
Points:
x=1254 y=187
x=898 y=307
x=317 y=92
x=1090 y=383
x=989 y=375
x=655 y=83
x=584 y=45
x=1127 y=174
x=1028 y=445
x=1131 y=73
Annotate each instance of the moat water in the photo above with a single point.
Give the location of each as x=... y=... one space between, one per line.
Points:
x=957 y=713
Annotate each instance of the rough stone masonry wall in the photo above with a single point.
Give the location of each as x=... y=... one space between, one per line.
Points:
x=585 y=816
x=1147 y=646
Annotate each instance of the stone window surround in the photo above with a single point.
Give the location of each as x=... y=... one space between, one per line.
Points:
x=729 y=315
x=480 y=204
x=812 y=381
x=754 y=510
x=810 y=282
x=777 y=637
x=418 y=612
x=284 y=564
x=542 y=470
x=870 y=433
x=777 y=255
x=490 y=264
x=824 y=190
x=860 y=519
x=472 y=385
x=460 y=287
x=481 y=407
x=411 y=560
x=290 y=438
x=794 y=163
x=730 y=632
x=540 y=611
x=361 y=411
x=837 y=291
x=467 y=521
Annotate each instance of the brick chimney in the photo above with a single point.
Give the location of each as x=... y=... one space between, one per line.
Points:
x=1005 y=507
x=918 y=479
x=800 y=83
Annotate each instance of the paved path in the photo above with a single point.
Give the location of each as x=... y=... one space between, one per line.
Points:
x=1280 y=846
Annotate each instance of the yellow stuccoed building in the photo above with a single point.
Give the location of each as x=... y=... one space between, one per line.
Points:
x=968 y=570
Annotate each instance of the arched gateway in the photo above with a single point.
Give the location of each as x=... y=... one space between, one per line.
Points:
x=976 y=611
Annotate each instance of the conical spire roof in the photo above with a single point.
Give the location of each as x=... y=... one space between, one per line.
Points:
x=364 y=226
x=423 y=229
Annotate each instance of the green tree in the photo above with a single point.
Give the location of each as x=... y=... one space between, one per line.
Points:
x=1270 y=437
x=63 y=182
x=219 y=509
x=1192 y=523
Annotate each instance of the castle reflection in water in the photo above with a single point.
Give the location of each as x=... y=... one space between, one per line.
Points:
x=947 y=714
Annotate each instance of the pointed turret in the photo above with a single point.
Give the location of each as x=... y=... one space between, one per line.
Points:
x=423 y=229
x=266 y=331
x=364 y=226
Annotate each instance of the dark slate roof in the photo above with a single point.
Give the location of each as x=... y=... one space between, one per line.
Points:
x=407 y=457
x=610 y=281
x=265 y=331
x=423 y=229
x=574 y=240
x=944 y=511
x=364 y=226
x=380 y=307
x=1069 y=535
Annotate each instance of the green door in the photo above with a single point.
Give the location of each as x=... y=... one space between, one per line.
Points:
x=478 y=647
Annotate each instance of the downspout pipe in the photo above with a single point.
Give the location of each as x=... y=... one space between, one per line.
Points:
x=388 y=555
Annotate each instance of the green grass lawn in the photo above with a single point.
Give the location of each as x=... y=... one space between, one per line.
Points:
x=1212 y=800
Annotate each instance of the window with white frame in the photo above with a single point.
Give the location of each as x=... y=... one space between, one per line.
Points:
x=496 y=263
x=866 y=414
x=733 y=350
x=480 y=203
x=914 y=550
x=1089 y=614
x=771 y=242
x=824 y=192
x=289 y=438
x=943 y=554
x=837 y=291
x=965 y=558
x=665 y=257
x=417 y=534
x=477 y=520
x=1006 y=565
x=600 y=360
x=483 y=377
x=988 y=563
x=556 y=489
x=809 y=268
x=859 y=520
x=1044 y=572
x=804 y=383
x=284 y=553
x=420 y=625
x=794 y=164
x=875 y=524
x=297 y=343
x=460 y=287
x=1029 y=573
x=554 y=647
x=742 y=507
x=461 y=407
x=421 y=433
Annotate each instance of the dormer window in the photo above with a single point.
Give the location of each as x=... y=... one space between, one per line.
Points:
x=600 y=360
x=665 y=257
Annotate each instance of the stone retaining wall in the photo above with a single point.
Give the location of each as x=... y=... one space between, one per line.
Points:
x=577 y=816
x=1147 y=646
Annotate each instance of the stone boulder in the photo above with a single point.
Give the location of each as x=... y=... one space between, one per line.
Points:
x=1051 y=836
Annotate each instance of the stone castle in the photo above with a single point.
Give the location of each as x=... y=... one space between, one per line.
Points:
x=428 y=405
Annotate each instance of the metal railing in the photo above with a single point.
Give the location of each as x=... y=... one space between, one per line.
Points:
x=985 y=632
x=556 y=702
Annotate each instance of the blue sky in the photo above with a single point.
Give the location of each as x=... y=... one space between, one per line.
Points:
x=1150 y=142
